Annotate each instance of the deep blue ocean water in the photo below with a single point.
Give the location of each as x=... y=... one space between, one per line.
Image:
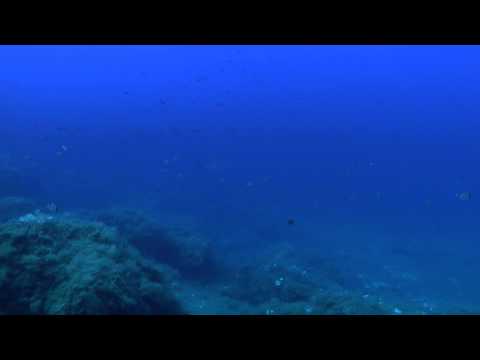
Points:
x=372 y=151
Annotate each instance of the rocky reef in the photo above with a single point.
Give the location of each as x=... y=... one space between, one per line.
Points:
x=51 y=264
x=189 y=253
x=122 y=261
x=282 y=289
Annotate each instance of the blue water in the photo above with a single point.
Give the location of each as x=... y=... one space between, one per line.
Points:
x=366 y=148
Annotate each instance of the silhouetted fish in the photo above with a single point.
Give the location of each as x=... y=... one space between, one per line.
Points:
x=52 y=207
x=464 y=195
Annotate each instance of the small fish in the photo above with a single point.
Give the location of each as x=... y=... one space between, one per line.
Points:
x=52 y=207
x=291 y=221
x=464 y=196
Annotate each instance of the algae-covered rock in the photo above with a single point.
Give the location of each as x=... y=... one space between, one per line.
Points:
x=326 y=303
x=283 y=286
x=55 y=265
x=190 y=254
x=12 y=207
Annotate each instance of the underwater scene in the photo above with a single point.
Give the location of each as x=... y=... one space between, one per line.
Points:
x=239 y=179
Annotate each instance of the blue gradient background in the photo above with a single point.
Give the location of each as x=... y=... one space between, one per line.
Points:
x=365 y=147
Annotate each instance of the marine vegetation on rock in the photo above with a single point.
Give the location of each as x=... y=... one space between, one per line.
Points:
x=59 y=265
x=189 y=253
x=283 y=283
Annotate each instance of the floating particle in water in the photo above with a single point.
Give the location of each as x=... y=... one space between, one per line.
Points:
x=201 y=78
x=464 y=196
x=397 y=311
x=291 y=221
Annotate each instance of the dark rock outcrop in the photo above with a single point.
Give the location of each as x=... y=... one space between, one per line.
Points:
x=57 y=265
x=191 y=255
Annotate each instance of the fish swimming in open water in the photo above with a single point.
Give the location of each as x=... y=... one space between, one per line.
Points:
x=464 y=196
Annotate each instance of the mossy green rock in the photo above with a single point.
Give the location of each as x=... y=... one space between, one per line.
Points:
x=54 y=265
x=190 y=254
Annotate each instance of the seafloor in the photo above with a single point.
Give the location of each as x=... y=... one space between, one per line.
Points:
x=127 y=261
